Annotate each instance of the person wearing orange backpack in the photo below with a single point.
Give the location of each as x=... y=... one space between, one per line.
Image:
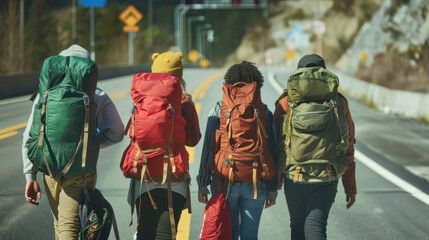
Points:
x=163 y=112
x=239 y=154
x=316 y=146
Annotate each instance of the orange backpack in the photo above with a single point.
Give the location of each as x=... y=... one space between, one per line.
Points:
x=241 y=144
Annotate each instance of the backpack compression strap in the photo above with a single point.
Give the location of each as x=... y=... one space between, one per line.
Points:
x=170 y=208
x=132 y=118
x=130 y=122
x=85 y=129
x=42 y=131
x=289 y=126
x=337 y=118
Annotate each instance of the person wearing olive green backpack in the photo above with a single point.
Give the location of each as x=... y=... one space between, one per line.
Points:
x=316 y=146
x=71 y=120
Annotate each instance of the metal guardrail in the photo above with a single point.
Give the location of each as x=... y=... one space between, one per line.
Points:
x=406 y=103
x=18 y=85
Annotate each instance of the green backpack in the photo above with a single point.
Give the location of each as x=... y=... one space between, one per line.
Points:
x=315 y=133
x=64 y=118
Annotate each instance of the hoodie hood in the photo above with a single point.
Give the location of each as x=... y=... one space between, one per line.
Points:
x=75 y=51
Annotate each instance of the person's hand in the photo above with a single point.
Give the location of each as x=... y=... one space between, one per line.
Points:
x=270 y=202
x=32 y=192
x=350 y=199
x=202 y=198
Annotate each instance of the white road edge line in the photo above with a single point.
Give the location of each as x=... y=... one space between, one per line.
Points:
x=371 y=164
x=13 y=100
x=274 y=83
x=404 y=185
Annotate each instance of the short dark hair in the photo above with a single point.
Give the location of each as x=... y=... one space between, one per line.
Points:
x=244 y=72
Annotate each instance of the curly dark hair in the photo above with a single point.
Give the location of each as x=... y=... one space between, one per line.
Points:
x=244 y=72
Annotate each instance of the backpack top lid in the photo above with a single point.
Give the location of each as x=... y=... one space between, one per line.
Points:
x=155 y=84
x=312 y=84
x=241 y=91
x=78 y=72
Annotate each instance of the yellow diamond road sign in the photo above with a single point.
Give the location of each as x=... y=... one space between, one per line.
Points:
x=131 y=16
x=204 y=63
x=193 y=55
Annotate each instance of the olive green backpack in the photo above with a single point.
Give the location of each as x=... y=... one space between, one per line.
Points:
x=315 y=133
x=64 y=118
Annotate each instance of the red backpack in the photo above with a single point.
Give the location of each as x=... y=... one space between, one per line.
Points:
x=242 y=152
x=216 y=219
x=157 y=128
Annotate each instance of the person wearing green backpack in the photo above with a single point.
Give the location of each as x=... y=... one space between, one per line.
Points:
x=71 y=120
x=316 y=146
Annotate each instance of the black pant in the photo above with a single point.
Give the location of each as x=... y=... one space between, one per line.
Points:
x=155 y=224
x=309 y=205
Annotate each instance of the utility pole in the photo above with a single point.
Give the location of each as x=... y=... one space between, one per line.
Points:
x=189 y=21
x=198 y=29
x=74 y=37
x=92 y=30
x=91 y=5
x=21 y=33
x=150 y=14
x=131 y=36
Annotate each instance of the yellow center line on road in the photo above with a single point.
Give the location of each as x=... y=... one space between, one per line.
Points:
x=201 y=90
x=9 y=134
x=13 y=128
x=11 y=131
x=185 y=219
x=120 y=95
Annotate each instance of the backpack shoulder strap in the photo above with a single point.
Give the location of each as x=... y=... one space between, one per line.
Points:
x=34 y=95
x=284 y=94
x=218 y=108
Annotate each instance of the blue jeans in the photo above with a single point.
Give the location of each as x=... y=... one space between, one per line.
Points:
x=245 y=211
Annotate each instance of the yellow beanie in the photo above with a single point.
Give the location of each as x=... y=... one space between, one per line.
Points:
x=168 y=62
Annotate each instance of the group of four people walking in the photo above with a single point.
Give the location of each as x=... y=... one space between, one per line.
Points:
x=268 y=143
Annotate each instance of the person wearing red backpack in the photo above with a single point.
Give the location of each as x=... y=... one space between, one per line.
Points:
x=153 y=201
x=239 y=154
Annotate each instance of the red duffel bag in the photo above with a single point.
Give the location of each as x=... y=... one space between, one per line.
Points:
x=216 y=219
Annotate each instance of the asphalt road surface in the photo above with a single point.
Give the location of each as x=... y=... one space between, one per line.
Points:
x=392 y=163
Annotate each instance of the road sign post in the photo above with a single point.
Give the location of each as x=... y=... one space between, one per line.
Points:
x=131 y=16
x=91 y=4
x=92 y=30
